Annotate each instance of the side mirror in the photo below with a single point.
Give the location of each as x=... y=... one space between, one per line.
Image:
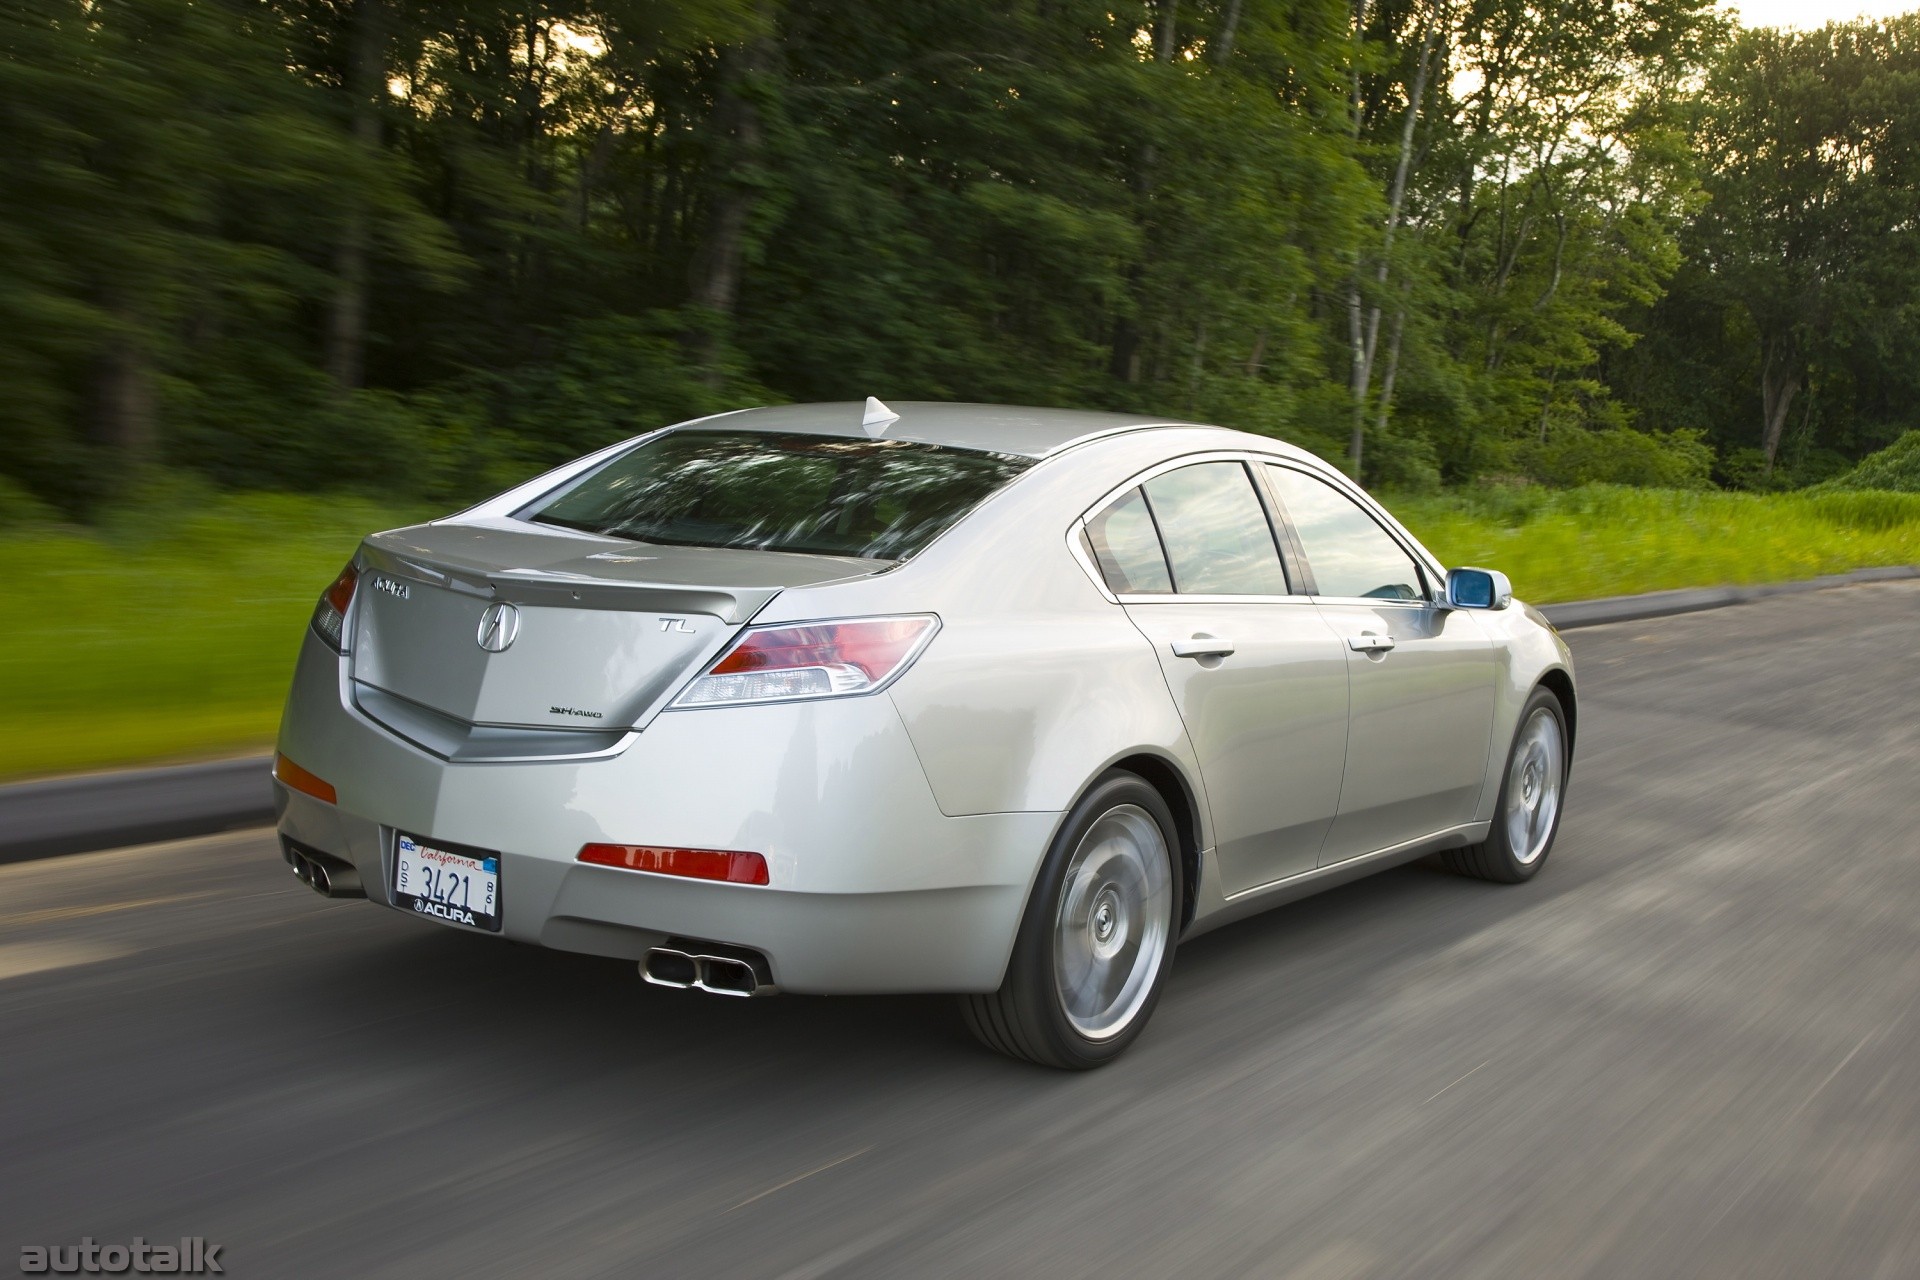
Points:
x=1478 y=589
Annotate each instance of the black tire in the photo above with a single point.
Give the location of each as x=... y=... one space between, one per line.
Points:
x=1027 y=1018
x=1495 y=858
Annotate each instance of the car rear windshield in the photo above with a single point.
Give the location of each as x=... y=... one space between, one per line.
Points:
x=881 y=499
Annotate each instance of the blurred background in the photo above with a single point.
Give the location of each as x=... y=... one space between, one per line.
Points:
x=1616 y=296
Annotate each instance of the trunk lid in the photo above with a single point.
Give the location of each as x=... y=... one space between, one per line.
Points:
x=503 y=624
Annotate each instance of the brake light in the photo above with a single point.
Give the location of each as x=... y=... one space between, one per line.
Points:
x=302 y=781
x=812 y=660
x=330 y=615
x=698 y=864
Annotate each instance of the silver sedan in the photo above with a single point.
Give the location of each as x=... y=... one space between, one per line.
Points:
x=943 y=698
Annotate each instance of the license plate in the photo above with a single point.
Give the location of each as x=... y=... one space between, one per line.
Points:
x=458 y=885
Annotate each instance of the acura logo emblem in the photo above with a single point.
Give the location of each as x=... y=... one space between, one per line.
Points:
x=498 y=626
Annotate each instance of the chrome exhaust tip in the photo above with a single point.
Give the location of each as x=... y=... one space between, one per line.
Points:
x=326 y=875
x=665 y=967
x=743 y=973
x=726 y=976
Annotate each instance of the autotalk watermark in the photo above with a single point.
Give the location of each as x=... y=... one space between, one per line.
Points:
x=191 y=1256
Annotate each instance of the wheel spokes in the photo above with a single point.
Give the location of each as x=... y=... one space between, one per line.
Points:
x=1533 y=785
x=1113 y=923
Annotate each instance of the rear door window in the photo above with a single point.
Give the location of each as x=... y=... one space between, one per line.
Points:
x=1215 y=531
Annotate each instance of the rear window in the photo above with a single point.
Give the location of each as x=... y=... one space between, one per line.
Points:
x=881 y=499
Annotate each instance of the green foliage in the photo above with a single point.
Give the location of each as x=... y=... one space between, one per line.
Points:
x=415 y=248
x=1403 y=464
x=19 y=508
x=166 y=180
x=1895 y=467
x=1620 y=456
x=1792 y=332
x=612 y=378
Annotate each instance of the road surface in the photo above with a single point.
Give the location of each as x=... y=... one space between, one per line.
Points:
x=1691 y=1046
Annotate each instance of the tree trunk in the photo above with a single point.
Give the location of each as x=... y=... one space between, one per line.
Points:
x=1355 y=114
x=718 y=263
x=1199 y=363
x=347 y=315
x=597 y=157
x=1164 y=38
x=1364 y=333
x=1124 y=350
x=1123 y=363
x=1780 y=375
x=1546 y=406
x=1358 y=378
x=1229 y=28
x=1392 y=372
x=1397 y=192
x=124 y=418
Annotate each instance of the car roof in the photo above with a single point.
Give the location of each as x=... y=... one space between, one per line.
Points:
x=1027 y=432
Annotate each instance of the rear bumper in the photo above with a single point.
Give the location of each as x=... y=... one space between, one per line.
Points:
x=873 y=888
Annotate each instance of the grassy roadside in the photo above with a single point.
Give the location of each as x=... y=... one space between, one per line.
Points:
x=166 y=636
x=1580 y=544
x=169 y=637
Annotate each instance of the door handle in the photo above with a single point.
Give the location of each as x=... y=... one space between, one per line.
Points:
x=1370 y=643
x=1202 y=647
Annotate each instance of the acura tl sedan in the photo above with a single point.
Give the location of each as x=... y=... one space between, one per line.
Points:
x=840 y=698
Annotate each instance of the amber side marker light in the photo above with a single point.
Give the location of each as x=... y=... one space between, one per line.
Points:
x=698 y=864
x=302 y=781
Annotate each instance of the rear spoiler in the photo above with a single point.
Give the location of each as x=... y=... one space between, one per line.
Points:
x=733 y=605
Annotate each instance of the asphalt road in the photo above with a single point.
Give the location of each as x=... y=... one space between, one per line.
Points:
x=1689 y=1047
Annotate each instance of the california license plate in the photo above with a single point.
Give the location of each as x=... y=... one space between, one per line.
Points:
x=455 y=884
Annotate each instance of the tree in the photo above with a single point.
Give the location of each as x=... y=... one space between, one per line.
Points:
x=1813 y=143
x=365 y=239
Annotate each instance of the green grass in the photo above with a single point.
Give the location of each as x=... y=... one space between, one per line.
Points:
x=167 y=637
x=1601 y=541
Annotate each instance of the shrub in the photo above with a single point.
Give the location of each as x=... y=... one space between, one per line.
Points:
x=612 y=378
x=1404 y=464
x=20 y=509
x=1620 y=455
x=1895 y=467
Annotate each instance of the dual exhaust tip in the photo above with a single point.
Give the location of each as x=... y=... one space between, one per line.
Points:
x=326 y=875
x=699 y=966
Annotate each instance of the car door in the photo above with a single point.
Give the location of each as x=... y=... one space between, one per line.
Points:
x=1421 y=675
x=1258 y=675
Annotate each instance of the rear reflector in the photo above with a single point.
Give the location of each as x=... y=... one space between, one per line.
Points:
x=302 y=781
x=699 y=864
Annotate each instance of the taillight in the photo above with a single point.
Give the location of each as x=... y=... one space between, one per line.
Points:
x=811 y=660
x=698 y=864
x=330 y=615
